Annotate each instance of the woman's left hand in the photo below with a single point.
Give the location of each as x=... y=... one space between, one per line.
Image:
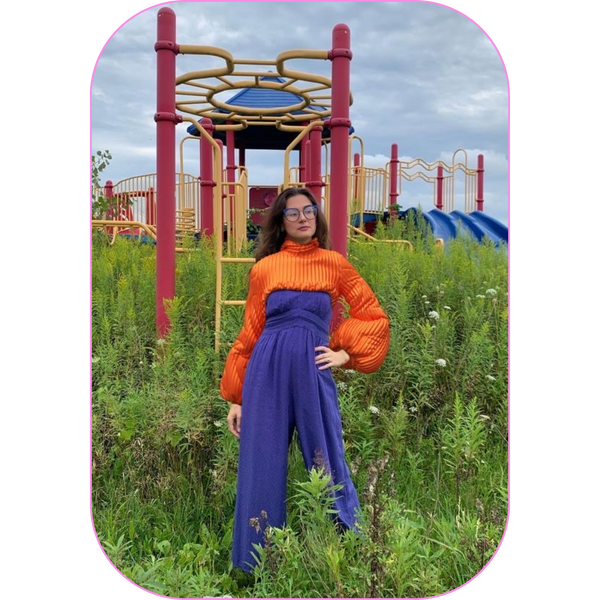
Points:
x=330 y=358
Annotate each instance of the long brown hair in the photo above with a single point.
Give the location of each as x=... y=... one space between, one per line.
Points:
x=272 y=234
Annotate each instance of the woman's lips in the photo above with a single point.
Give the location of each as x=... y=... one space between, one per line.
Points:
x=303 y=228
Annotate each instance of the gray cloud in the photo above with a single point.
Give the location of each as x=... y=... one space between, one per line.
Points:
x=422 y=75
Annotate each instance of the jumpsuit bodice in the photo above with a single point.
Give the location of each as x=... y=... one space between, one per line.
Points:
x=286 y=309
x=296 y=323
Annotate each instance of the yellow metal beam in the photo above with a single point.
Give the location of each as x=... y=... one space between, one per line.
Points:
x=372 y=239
x=210 y=51
x=186 y=93
x=232 y=126
x=303 y=54
x=204 y=86
x=254 y=62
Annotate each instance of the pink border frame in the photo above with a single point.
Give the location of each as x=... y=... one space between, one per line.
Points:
x=474 y=20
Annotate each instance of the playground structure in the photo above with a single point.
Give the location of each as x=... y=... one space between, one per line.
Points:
x=287 y=110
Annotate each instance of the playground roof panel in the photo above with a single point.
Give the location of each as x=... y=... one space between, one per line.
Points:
x=266 y=98
x=262 y=138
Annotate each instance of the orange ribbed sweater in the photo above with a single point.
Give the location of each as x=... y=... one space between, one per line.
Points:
x=364 y=335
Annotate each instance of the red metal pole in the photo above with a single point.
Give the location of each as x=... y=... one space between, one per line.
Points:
x=230 y=140
x=166 y=119
x=480 y=171
x=150 y=207
x=199 y=218
x=304 y=159
x=108 y=194
x=339 y=124
x=440 y=186
x=315 y=184
x=394 y=175
x=108 y=190
x=206 y=179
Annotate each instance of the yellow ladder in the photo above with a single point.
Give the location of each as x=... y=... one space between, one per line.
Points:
x=185 y=219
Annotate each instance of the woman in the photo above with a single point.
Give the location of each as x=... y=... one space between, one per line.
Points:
x=279 y=367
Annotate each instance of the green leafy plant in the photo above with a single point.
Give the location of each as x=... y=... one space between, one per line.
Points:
x=250 y=226
x=100 y=204
x=463 y=439
x=429 y=467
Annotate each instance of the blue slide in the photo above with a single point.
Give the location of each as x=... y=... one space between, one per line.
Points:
x=478 y=224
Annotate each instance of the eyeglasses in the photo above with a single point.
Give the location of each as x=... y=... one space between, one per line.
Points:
x=293 y=214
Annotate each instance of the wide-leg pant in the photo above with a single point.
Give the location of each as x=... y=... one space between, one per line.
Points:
x=284 y=389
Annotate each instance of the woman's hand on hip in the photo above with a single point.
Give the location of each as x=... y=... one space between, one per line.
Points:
x=234 y=420
x=330 y=358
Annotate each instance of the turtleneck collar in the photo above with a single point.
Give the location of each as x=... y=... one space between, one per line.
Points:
x=290 y=245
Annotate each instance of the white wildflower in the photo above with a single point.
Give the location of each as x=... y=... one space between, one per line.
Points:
x=218 y=423
x=427 y=302
x=413 y=409
x=433 y=315
x=141 y=362
x=350 y=371
x=491 y=292
x=491 y=377
x=374 y=410
x=479 y=296
x=440 y=362
x=342 y=386
x=153 y=365
x=423 y=297
x=95 y=359
x=441 y=292
x=161 y=341
x=447 y=308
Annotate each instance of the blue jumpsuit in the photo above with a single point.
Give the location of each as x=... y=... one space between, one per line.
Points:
x=283 y=388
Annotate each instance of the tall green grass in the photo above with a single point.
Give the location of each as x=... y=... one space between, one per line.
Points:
x=426 y=436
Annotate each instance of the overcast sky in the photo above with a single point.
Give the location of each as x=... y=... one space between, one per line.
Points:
x=422 y=75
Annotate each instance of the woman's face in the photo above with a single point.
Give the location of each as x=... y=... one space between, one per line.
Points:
x=303 y=229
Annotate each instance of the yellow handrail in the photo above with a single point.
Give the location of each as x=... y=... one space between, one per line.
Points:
x=372 y=239
x=150 y=229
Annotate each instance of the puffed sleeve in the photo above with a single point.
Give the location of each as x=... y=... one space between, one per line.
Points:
x=365 y=334
x=239 y=355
